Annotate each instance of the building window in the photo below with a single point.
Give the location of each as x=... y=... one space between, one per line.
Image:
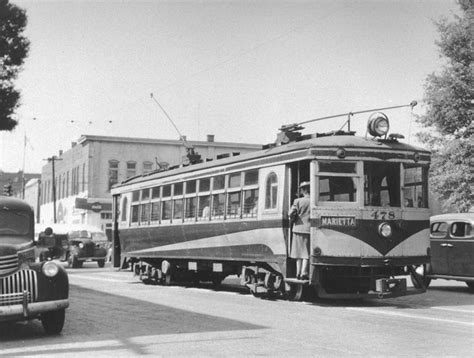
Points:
x=271 y=191
x=147 y=167
x=131 y=169
x=84 y=176
x=113 y=173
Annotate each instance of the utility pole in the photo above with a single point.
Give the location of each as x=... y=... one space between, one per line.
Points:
x=52 y=160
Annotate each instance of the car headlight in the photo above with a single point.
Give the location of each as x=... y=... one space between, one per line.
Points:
x=50 y=269
x=81 y=245
x=385 y=230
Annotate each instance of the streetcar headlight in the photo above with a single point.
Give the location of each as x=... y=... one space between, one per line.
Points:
x=50 y=269
x=378 y=124
x=385 y=230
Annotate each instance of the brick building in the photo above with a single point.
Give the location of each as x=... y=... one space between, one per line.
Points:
x=85 y=173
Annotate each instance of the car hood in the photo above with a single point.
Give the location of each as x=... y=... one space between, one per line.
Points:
x=9 y=244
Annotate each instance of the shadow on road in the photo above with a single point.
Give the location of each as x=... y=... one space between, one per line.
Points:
x=96 y=316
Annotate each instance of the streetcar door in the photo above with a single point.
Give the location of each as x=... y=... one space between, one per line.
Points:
x=297 y=173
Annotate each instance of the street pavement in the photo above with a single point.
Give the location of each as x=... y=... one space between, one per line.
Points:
x=113 y=314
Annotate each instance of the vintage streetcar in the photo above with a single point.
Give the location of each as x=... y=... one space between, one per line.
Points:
x=208 y=219
x=28 y=289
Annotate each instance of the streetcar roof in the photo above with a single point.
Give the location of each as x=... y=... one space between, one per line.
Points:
x=346 y=141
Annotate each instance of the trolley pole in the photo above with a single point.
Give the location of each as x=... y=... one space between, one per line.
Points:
x=52 y=160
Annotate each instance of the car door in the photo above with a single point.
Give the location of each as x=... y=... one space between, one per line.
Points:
x=439 y=245
x=461 y=249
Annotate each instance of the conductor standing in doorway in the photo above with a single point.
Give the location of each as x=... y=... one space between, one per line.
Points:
x=299 y=214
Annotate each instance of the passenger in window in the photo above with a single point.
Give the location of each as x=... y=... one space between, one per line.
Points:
x=299 y=215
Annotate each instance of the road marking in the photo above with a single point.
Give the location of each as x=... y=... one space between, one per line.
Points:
x=453 y=309
x=388 y=313
x=94 y=278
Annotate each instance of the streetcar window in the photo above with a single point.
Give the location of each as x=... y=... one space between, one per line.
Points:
x=178 y=209
x=166 y=210
x=190 y=208
x=155 y=192
x=234 y=180
x=204 y=184
x=135 y=210
x=191 y=187
x=336 y=188
x=251 y=177
x=233 y=205
x=124 y=209
x=136 y=195
x=415 y=187
x=145 y=213
x=250 y=203
x=178 y=189
x=382 y=184
x=155 y=211
x=145 y=194
x=204 y=207
x=337 y=167
x=218 y=182
x=271 y=191
x=218 y=205
x=166 y=190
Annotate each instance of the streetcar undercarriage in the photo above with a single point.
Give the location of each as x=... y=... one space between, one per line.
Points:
x=263 y=280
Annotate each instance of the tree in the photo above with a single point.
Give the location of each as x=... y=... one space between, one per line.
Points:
x=13 y=51
x=449 y=99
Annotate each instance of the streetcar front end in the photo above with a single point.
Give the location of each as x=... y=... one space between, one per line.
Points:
x=370 y=218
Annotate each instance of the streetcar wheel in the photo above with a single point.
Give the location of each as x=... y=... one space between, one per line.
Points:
x=53 y=321
x=422 y=271
x=101 y=263
x=294 y=292
x=470 y=284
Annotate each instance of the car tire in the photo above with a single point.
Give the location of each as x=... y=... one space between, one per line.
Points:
x=53 y=321
x=422 y=270
x=101 y=263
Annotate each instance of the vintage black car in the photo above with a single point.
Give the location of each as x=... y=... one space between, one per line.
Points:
x=452 y=250
x=87 y=244
x=74 y=243
x=28 y=289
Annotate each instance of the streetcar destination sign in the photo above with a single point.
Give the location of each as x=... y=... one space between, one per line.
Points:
x=338 y=221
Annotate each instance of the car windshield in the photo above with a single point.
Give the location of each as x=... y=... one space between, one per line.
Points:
x=99 y=236
x=80 y=234
x=14 y=223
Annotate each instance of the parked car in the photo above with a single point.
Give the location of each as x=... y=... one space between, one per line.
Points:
x=28 y=289
x=87 y=244
x=84 y=243
x=452 y=250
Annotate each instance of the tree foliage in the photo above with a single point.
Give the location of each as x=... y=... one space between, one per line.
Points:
x=13 y=51
x=449 y=99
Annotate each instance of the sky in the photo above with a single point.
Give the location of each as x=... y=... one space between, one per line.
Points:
x=235 y=69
